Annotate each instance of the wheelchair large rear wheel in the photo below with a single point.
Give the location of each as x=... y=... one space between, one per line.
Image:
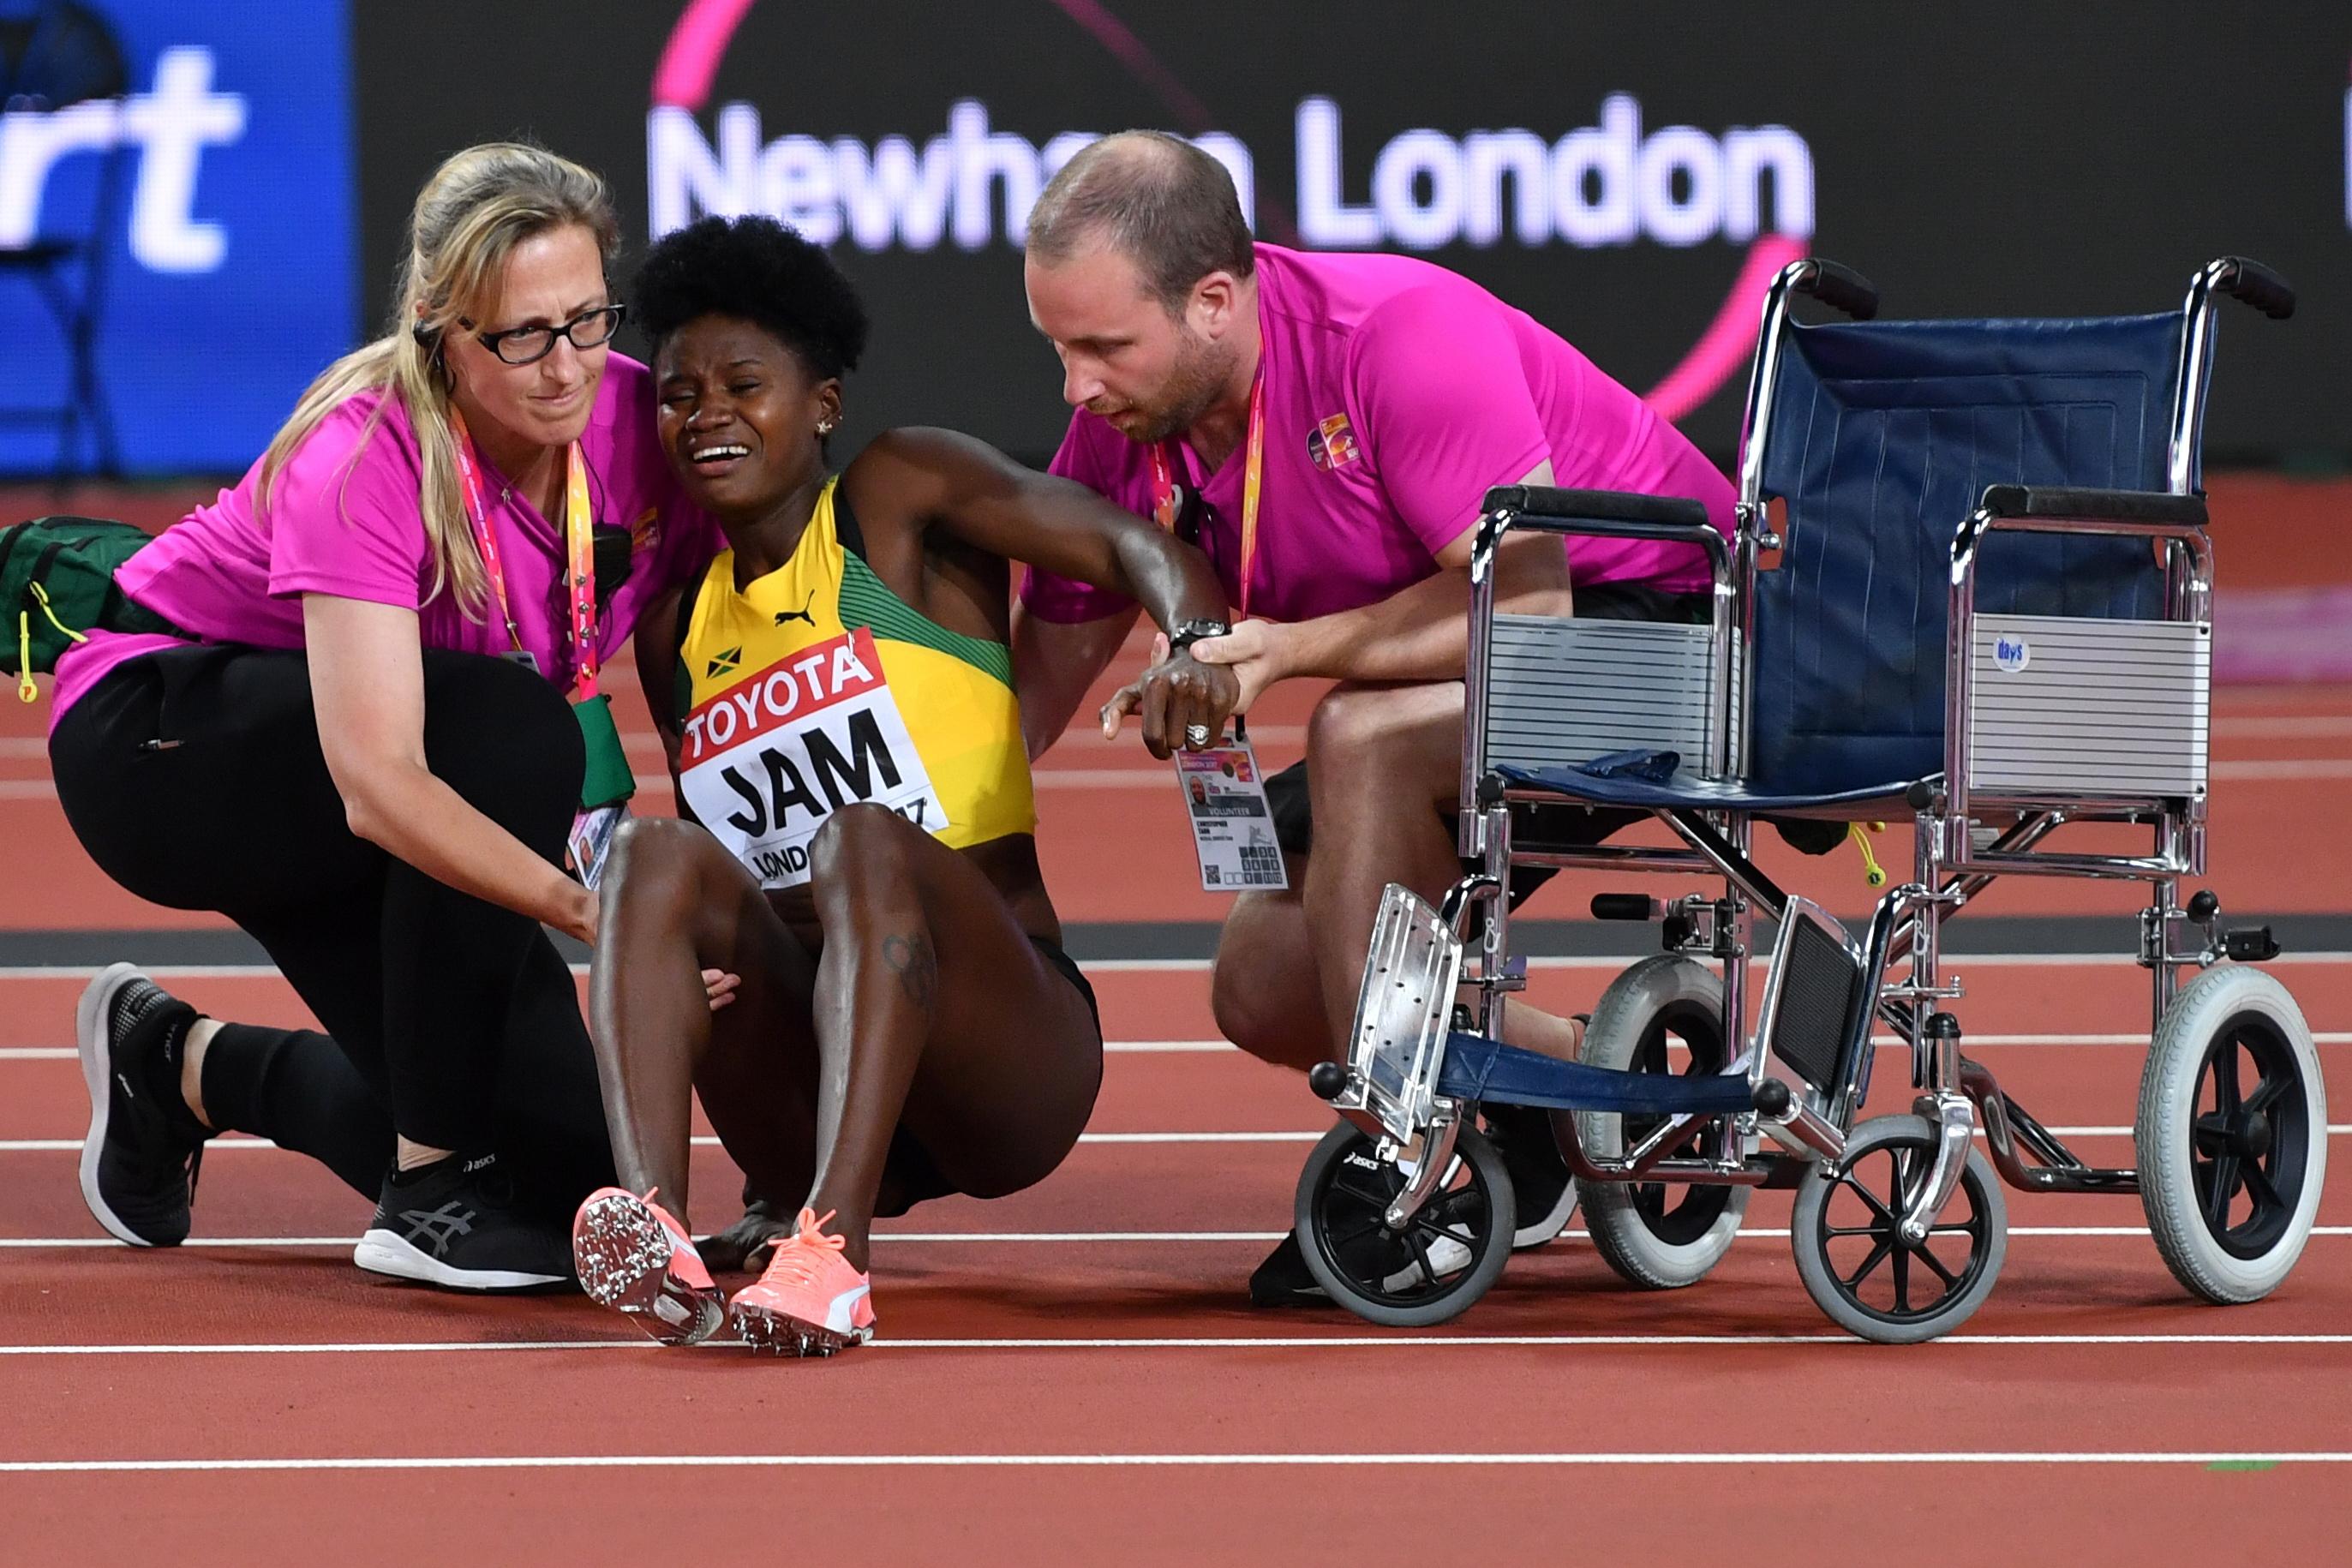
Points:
x=2232 y=1135
x=1851 y=1255
x=1663 y=1015
x=1432 y=1271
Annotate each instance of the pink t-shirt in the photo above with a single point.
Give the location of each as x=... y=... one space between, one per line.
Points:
x=343 y=520
x=1396 y=395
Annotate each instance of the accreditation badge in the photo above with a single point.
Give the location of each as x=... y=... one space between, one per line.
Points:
x=1233 y=827
x=592 y=842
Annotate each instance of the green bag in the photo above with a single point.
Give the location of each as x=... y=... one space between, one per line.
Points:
x=56 y=586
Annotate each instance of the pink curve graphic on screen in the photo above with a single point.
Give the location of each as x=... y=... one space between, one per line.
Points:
x=1717 y=355
x=1130 y=51
x=689 y=65
x=689 y=61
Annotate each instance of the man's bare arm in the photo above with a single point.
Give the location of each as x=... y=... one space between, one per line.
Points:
x=1420 y=633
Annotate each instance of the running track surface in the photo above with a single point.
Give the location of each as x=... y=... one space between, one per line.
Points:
x=1072 y=1374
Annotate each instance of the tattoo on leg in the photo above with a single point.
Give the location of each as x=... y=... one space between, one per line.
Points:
x=911 y=960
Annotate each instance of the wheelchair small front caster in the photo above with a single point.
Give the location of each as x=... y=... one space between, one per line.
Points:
x=1847 y=1235
x=1438 y=1266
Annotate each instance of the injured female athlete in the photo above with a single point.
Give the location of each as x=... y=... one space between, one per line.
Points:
x=858 y=850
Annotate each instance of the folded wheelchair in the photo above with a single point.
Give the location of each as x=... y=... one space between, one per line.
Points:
x=1971 y=582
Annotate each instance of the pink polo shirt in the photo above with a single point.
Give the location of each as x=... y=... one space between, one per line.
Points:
x=344 y=520
x=1396 y=394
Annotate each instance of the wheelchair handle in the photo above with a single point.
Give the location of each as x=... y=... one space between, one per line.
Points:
x=2242 y=278
x=1839 y=287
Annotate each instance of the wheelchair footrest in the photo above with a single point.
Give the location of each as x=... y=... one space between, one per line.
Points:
x=1482 y=1070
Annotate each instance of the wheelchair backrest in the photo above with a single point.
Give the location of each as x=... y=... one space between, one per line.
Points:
x=1880 y=437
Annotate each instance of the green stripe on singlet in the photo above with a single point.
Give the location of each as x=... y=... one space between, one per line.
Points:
x=866 y=601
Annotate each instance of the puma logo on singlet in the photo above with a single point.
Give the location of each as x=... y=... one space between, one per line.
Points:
x=805 y=613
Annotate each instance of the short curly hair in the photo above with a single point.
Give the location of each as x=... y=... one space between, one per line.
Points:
x=762 y=271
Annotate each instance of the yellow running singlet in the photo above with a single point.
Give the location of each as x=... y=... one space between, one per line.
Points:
x=816 y=687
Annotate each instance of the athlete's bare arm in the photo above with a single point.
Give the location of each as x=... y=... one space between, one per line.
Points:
x=984 y=500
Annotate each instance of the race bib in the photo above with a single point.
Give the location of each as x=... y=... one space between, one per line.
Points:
x=765 y=761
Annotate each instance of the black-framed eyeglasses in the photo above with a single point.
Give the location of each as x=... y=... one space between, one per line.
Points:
x=527 y=345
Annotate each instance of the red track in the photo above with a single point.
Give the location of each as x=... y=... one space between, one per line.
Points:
x=1559 y=1416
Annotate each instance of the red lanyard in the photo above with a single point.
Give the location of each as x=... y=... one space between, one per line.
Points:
x=1167 y=500
x=580 y=553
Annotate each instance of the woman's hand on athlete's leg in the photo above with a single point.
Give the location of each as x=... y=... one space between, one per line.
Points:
x=721 y=987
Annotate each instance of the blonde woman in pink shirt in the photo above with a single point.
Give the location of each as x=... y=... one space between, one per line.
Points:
x=362 y=751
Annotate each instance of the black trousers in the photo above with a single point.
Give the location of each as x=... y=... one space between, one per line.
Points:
x=195 y=778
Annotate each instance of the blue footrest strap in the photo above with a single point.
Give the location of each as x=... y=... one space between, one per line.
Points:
x=1482 y=1070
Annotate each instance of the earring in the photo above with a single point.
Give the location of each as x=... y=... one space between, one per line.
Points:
x=825 y=428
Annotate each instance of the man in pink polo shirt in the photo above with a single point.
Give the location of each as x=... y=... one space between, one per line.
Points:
x=1388 y=396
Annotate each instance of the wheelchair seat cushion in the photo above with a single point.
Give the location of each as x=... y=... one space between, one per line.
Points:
x=1684 y=792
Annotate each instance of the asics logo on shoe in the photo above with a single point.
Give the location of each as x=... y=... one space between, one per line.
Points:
x=473 y=1165
x=438 y=1228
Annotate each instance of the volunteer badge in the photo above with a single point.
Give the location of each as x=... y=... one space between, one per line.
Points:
x=1331 y=444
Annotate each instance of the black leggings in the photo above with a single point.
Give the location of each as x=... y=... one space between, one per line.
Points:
x=194 y=777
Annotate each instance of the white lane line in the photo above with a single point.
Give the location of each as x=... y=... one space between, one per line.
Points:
x=704 y=1140
x=2024 y=1457
x=1212 y=1048
x=658 y=784
x=1251 y=1343
x=998 y=1237
x=2285 y=768
x=1220 y=1047
x=2280 y=726
x=1110 y=1047
x=1952 y=960
x=639 y=742
x=1141 y=779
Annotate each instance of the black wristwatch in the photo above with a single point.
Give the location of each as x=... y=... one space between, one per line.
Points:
x=1186 y=633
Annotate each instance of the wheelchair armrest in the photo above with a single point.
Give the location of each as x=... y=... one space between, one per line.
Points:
x=1583 y=506
x=1607 y=514
x=2062 y=503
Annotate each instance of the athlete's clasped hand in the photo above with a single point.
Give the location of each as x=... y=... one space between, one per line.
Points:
x=1181 y=701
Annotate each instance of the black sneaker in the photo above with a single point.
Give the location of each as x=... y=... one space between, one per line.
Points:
x=454 y=1223
x=1282 y=1280
x=139 y=1159
x=1544 y=1191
